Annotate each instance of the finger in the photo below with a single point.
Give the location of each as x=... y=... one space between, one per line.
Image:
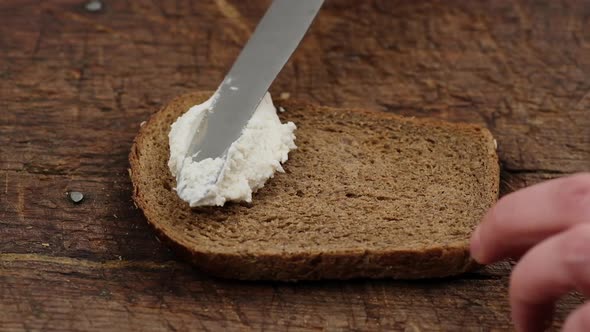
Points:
x=548 y=271
x=526 y=217
x=579 y=320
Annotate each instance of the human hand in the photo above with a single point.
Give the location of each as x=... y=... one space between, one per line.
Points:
x=547 y=226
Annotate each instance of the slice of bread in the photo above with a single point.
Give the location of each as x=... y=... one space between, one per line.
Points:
x=365 y=194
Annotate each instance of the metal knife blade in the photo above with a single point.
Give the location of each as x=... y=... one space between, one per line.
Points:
x=276 y=37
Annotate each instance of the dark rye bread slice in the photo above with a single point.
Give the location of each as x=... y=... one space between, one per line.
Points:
x=366 y=194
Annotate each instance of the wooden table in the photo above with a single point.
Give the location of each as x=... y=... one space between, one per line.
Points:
x=75 y=84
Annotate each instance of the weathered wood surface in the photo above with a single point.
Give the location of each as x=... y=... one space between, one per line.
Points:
x=75 y=85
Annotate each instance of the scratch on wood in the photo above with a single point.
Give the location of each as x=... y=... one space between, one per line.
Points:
x=67 y=261
x=162 y=21
x=4 y=199
x=523 y=16
x=411 y=326
x=501 y=53
x=96 y=26
x=37 y=45
x=20 y=202
x=233 y=14
x=100 y=56
x=580 y=104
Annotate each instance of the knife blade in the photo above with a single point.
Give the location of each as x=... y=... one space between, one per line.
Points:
x=269 y=48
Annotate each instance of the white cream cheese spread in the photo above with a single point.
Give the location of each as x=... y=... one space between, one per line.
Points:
x=251 y=160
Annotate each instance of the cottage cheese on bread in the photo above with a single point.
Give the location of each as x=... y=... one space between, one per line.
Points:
x=251 y=160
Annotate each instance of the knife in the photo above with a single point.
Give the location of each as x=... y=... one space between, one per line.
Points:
x=276 y=37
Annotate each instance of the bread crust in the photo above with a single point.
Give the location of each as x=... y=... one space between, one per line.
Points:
x=432 y=262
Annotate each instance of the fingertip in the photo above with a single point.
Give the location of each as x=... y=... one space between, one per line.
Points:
x=475 y=246
x=579 y=320
x=536 y=318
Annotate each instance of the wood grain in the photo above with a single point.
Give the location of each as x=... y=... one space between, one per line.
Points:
x=75 y=86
